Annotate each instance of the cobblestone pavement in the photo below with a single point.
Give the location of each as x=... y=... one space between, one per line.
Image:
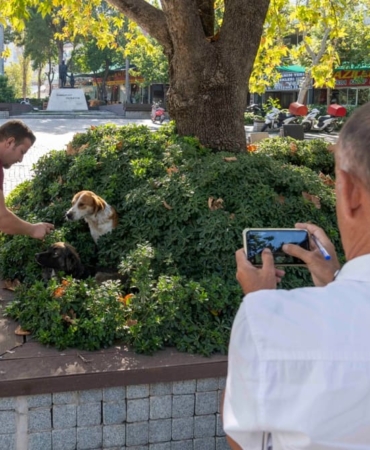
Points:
x=54 y=134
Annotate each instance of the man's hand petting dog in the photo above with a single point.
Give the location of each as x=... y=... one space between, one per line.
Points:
x=40 y=230
x=251 y=278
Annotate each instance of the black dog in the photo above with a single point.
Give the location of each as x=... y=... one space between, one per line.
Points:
x=63 y=257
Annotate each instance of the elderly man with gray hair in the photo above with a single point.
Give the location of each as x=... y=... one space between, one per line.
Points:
x=299 y=360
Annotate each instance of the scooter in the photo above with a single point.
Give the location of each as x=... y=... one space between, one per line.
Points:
x=253 y=108
x=323 y=123
x=275 y=119
x=157 y=112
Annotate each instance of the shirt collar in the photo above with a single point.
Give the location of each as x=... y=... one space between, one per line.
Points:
x=357 y=269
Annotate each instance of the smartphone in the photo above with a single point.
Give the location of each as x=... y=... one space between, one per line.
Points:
x=256 y=239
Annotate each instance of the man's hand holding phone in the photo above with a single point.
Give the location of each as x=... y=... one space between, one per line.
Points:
x=251 y=278
x=322 y=270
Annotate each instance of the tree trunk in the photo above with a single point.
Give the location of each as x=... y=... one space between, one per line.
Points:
x=39 y=82
x=24 y=62
x=209 y=69
x=302 y=95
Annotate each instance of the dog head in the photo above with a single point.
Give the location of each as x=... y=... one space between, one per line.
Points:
x=85 y=204
x=61 y=257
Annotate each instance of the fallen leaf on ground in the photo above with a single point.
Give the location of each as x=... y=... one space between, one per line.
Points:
x=84 y=359
x=11 y=285
x=19 y=331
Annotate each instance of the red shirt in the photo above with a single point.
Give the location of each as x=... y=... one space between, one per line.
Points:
x=1 y=176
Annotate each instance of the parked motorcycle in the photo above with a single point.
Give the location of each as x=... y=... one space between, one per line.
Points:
x=326 y=123
x=275 y=119
x=254 y=108
x=157 y=113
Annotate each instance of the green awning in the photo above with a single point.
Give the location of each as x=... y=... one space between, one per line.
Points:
x=296 y=69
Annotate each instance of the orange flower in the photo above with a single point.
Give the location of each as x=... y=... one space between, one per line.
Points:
x=59 y=292
x=251 y=148
x=293 y=147
x=171 y=170
x=65 y=283
x=125 y=299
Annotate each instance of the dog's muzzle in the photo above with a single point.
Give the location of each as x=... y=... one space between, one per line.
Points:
x=69 y=215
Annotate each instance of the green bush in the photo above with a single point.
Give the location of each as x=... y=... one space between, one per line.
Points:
x=177 y=250
x=315 y=154
x=7 y=94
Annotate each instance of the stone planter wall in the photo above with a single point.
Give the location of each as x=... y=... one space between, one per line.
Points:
x=179 y=415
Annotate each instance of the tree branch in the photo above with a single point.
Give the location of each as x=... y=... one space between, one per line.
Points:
x=242 y=25
x=184 y=33
x=206 y=10
x=151 y=19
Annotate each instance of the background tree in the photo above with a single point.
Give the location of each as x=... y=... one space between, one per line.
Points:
x=7 y=94
x=13 y=72
x=147 y=57
x=40 y=46
x=353 y=48
x=91 y=58
x=19 y=77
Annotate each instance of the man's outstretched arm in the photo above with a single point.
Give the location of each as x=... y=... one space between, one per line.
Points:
x=11 y=224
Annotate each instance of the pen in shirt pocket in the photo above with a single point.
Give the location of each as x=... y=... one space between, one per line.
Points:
x=322 y=249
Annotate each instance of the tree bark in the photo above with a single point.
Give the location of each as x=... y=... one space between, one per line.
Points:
x=209 y=69
x=306 y=84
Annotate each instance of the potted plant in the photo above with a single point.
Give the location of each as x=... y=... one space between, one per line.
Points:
x=258 y=123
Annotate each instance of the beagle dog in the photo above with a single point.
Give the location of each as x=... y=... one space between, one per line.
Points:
x=101 y=217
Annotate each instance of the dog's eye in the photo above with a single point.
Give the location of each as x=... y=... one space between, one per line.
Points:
x=55 y=254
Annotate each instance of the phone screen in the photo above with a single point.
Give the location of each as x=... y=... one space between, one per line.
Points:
x=255 y=240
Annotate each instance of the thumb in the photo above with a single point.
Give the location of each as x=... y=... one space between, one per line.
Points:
x=267 y=260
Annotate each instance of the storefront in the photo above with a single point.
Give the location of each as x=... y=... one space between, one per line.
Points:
x=352 y=86
x=287 y=88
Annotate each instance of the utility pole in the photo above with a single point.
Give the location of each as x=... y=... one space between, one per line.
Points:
x=1 y=49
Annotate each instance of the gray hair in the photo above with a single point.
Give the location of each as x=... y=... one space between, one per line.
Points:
x=354 y=144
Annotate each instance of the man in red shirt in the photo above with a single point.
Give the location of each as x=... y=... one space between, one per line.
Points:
x=15 y=140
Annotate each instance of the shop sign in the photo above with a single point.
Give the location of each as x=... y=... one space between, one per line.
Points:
x=351 y=78
x=289 y=81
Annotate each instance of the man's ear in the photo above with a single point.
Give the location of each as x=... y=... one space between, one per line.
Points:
x=351 y=191
x=10 y=141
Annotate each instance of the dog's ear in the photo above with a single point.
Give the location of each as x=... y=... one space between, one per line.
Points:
x=99 y=204
x=72 y=260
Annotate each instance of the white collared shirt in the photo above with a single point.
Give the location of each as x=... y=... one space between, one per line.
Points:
x=299 y=366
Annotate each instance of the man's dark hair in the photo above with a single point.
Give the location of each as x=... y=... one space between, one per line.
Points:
x=18 y=130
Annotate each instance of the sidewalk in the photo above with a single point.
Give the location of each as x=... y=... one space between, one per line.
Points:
x=54 y=132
